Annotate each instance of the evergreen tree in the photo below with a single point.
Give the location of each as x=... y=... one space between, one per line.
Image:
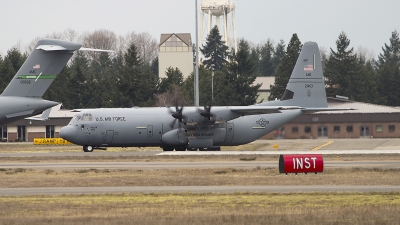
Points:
x=10 y=66
x=279 y=53
x=368 y=87
x=6 y=73
x=388 y=72
x=342 y=72
x=136 y=82
x=154 y=66
x=78 y=92
x=174 y=77
x=58 y=90
x=236 y=87
x=204 y=86
x=285 y=68
x=266 y=68
x=102 y=82
x=215 y=50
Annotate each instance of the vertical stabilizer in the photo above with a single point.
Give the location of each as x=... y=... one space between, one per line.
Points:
x=306 y=87
x=40 y=69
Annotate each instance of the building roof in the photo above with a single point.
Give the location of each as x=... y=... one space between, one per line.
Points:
x=360 y=107
x=185 y=37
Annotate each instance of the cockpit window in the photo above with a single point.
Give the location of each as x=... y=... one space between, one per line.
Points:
x=87 y=117
x=84 y=117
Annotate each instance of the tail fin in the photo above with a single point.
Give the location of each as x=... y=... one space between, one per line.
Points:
x=306 y=87
x=40 y=69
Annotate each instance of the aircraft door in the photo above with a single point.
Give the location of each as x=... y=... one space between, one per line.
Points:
x=109 y=136
x=229 y=132
x=154 y=133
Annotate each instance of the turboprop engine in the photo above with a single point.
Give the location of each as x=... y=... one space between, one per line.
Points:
x=176 y=137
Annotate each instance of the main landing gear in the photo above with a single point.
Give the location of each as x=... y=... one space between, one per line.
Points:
x=88 y=148
x=170 y=148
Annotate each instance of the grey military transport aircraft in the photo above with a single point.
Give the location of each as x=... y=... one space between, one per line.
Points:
x=207 y=128
x=23 y=95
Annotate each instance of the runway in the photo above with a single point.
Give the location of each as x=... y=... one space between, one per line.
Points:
x=194 y=189
x=195 y=165
x=66 y=165
x=194 y=153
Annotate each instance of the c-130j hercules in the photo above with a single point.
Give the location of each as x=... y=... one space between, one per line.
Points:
x=23 y=95
x=195 y=128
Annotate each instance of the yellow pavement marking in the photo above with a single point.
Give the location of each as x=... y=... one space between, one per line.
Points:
x=321 y=146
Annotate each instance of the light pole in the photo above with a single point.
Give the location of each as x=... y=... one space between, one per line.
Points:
x=212 y=83
x=197 y=63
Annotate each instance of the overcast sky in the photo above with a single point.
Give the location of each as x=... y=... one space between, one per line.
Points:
x=367 y=23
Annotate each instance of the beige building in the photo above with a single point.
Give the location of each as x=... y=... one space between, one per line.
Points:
x=175 y=50
x=265 y=89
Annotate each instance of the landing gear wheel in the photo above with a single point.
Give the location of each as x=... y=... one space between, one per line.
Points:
x=88 y=148
x=180 y=148
x=168 y=148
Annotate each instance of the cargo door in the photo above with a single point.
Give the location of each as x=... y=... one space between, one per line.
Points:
x=109 y=137
x=229 y=132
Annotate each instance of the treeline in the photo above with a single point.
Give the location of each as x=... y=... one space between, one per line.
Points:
x=130 y=77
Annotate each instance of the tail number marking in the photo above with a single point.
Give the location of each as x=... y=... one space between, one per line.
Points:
x=25 y=81
x=308 y=86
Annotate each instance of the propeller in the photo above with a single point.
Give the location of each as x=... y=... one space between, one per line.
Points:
x=207 y=112
x=177 y=115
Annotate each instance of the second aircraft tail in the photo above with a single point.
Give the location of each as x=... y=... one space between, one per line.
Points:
x=40 y=69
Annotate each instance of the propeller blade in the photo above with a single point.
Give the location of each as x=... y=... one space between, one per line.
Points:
x=177 y=115
x=207 y=112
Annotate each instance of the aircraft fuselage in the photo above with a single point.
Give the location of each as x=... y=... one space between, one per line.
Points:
x=15 y=108
x=140 y=127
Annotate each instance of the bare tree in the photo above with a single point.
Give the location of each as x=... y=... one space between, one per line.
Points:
x=171 y=98
x=365 y=53
x=99 y=39
x=146 y=45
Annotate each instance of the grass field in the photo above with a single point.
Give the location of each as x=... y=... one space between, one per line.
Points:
x=17 y=178
x=188 y=208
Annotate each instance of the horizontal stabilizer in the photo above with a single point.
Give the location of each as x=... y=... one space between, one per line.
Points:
x=51 y=48
x=43 y=117
x=95 y=50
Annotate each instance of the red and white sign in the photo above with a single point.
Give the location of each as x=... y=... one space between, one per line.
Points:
x=309 y=163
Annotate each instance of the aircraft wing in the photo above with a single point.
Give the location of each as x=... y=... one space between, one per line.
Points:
x=255 y=110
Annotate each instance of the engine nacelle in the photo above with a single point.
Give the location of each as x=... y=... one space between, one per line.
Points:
x=309 y=163
x=176 y=137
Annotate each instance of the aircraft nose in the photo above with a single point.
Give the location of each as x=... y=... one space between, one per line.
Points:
x=68 y=133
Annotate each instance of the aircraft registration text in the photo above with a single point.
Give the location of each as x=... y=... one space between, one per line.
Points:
x=114 y=119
